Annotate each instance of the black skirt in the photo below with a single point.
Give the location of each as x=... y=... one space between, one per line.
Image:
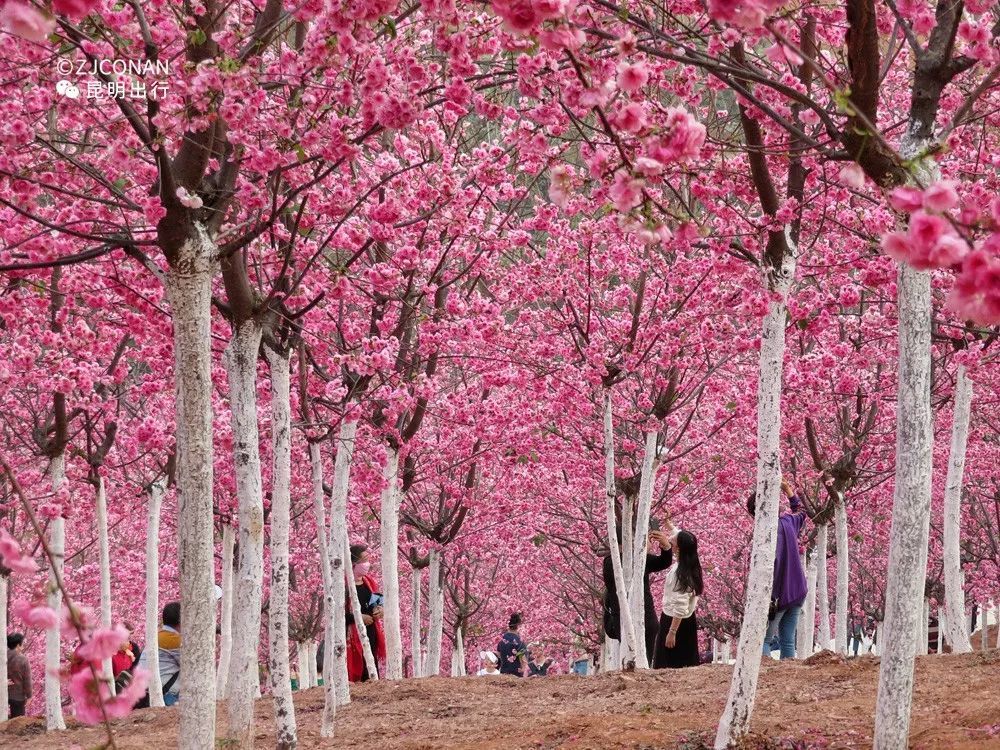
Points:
x=685 y=650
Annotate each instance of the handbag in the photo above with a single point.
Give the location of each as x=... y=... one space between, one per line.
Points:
x=772 y=609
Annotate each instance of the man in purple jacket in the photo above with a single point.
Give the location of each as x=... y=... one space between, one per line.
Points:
x=788 y=589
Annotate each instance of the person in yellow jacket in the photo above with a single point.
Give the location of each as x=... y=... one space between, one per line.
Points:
x=169 y=641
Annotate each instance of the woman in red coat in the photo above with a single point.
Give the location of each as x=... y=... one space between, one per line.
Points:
x=371 y=612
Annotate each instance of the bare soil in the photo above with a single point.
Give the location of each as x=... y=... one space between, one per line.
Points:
x=825 y=703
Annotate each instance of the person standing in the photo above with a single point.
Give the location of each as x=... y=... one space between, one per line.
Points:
x=511 y=649
x=788 y=588
x=612 y=614
x=371 y=614
x=18 y=675
x=677 y=636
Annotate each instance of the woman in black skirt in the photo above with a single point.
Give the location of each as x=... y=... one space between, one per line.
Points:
x=677 y=639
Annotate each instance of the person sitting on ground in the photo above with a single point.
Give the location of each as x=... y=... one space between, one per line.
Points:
x=18 y=675
x=511 y=649
x=677 y=639
x=169 y=643
x=489 y=661
x=538 y=665
x=788 y=588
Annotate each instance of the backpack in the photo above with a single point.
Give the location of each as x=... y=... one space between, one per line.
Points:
x=611 y=620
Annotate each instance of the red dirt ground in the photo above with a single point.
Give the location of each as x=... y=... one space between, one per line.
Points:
x=827 y=703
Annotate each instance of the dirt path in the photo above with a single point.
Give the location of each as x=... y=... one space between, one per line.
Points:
x=826 y=704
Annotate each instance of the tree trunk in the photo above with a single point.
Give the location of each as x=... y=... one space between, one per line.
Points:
x=240 y=358
x=226 y=625
x=435 y=627
x=390 y=566
x=4 y=705
x=336 y=690
x=985 y=631
x=627 y=625
x=458 y=655
x=809 y=613
x=647 y=480
x=189 y=290
x=339 y=546
x=822 y=586
x=954 y=591
x=323 y=546
x=942 y=625
x=366 y=646
x=910 y=511
x=152 y=648
x=53 y=652
x=735 y=721
x=843 y=564
x=105 y=563
x=281 y=477
x=415 y=655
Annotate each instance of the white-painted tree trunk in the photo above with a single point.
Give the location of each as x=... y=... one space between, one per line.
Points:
x=339 y=541
x=435 y=628
x=735 y=720
x=610 y=655
x=310 y=653
x=101 y=516
x=4 y=705
x=627 y=653
x=942 y=625
x=925 y=627
x=910 y=511
x=53 y=652
x=843 y=570
x=984 y=624
x=189 y=291
x=366 y=646
x=822 y=585
x=458 y=655
x=302 y=658
x=390 y=566
x=996 y=643
x=281 y=501
x=152 y=648
x=323 y=547
x=415 y=622
x=240 y=358
x=877 y=648
x=809 y=613
x=336 y=687
x=647 y=480
x=954 y=592
x=728 y=651
x=627 y=626
x=226 y=624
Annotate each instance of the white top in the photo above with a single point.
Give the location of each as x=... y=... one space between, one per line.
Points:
x=677 y=603
x=484 y=673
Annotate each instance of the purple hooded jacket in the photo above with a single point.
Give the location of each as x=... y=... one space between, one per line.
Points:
x=789 y=584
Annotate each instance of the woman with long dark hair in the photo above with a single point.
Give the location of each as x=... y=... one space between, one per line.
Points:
x=511 y=649
x=677 y=639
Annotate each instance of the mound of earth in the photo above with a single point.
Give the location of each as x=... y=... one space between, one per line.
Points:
x=956 y=704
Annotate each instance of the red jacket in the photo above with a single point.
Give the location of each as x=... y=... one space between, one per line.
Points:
x=355 y=652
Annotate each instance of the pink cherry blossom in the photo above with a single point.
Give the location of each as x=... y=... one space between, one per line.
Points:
x=103 y=643
x=632 y=77
x=35 y=616
x=13 y=558
x=626 y=192
x=26 y=22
